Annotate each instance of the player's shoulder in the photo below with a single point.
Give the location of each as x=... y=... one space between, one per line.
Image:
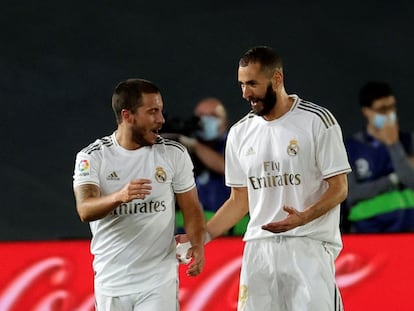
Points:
x=244 y=121
x=99 y=144
x=311 y=110
x=169 y=144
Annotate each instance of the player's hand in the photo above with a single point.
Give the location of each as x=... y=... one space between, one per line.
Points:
x=181 y=238
x=294 y=219
x=196 y=253
x=135 y=189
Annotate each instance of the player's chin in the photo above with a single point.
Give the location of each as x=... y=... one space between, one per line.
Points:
x=151 y=138
x=257 y=109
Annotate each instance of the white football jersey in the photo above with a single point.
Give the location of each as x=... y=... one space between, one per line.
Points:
x=133 y=246
x=284 y=162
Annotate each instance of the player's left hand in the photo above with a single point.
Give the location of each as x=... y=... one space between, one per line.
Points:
x=294 y=219
x=197 y=254
x=181 y=238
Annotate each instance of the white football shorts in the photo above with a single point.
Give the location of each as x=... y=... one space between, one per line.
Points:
x=164 y=297
x=288 y=274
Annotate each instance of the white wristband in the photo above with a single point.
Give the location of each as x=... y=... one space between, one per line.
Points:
x=394 y=179
x=181 y=250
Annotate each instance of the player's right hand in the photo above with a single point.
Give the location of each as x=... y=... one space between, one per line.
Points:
x=134 y=190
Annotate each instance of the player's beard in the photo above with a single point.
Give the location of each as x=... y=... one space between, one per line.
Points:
x=269 y=101
x=138 y=136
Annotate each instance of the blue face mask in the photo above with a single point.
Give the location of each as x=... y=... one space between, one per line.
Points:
x=380 y=119
x=210 y=128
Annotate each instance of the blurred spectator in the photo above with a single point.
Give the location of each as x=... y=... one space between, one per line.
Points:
x=207 y=150
x=206 y=147
x=380 y=195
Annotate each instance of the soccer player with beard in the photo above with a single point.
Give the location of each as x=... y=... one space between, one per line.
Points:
x=125 y=186
x=287 y=166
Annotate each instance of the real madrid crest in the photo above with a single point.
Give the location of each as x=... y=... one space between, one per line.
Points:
x=160 y=174
x=293 y=148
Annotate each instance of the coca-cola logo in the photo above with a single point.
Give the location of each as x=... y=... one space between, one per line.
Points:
x=353 y=269
x=38 y=282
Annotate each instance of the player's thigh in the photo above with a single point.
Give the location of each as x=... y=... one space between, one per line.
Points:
x=310 y=276
x=163 y=297
x=258 y=276
x=288 y=273
x=108 y=303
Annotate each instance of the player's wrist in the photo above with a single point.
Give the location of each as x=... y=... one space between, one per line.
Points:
x=207 y=237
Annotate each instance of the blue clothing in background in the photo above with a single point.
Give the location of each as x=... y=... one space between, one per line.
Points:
x=211 y=187
x=375 y=203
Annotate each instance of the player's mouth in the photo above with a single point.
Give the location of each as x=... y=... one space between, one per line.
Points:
x=254 y=103
x=156 y=131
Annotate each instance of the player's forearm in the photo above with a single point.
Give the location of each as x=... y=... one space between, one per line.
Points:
x=226 y=217
x=195 y=226
x=334 y=195
x=93 y=208
x=194 y=223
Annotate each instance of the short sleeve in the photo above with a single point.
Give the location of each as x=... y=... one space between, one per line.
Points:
x=234 y=173
x=331 y=154
x=183 y=180
x=86 y=170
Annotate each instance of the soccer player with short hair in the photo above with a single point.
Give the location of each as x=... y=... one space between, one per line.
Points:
x=287 y=167
x=125 y=186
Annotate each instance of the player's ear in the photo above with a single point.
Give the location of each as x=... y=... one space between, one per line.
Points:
x=126 y=115
x=277 y=79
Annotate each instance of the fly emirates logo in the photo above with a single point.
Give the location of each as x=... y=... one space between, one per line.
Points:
x=273 y=177
x=140 y=208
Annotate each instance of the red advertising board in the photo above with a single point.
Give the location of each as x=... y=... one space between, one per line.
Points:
x=374 y=272
x=46 y=276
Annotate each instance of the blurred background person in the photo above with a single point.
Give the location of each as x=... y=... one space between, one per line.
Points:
x=380 y=197
x=205 y=134
x=207 y=150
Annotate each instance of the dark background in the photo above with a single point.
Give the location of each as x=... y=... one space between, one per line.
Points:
x=60 y=60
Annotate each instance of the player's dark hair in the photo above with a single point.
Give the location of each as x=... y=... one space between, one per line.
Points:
x=373 y=90
x=128 y=95
x=265 y=56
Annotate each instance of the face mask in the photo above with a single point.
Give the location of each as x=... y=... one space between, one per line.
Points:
x=210 y=128
x=380 y=119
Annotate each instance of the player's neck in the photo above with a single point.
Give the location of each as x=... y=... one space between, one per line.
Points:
x=124 y=139
x=283 y=105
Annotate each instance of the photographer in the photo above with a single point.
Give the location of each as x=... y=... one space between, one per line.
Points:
x=206 y=147
x=205 y=135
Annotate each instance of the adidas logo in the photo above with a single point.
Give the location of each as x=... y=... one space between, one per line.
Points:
x=250 y=151
x=112 y=176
